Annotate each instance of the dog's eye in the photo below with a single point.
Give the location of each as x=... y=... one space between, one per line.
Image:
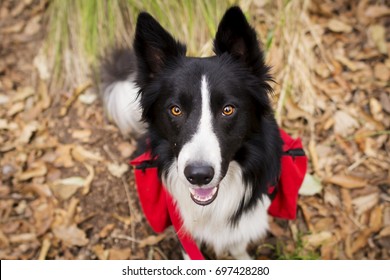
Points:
x=228 y=110
x=176 y=111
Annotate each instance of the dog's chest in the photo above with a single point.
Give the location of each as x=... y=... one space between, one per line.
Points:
x=216 y=229
x=212 y=224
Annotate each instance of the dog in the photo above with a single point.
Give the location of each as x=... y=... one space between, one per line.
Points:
x=208 y=123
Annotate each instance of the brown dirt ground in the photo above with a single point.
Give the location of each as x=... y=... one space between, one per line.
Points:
x=97 y=214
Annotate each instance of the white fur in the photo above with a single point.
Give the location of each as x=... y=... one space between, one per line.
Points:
x=203 y=146
x=211 y=223
x=123 y=107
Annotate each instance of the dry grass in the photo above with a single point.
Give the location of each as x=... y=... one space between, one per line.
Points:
x=80 y=31
x=291 y=38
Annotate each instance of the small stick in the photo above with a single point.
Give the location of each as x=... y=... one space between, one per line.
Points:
x=44 y=249
x=76 y=93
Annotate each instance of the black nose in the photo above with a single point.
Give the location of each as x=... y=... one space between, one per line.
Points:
x=199 y=174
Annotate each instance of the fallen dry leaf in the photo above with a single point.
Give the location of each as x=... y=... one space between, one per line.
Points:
x=37 y=169
x=4 y=191
x=20 y=208
x=81 y=154
x=15 y=108
x=126 y=149
x=117 y=170
x=381 y=72
x=344 y=123
x=377 y=11
x=314 y=155
x=360 y=241
x=45 y=99
x=4 y=99
x=64 y=158
x=11 y=226
x=100 y=252
x=347 y=201
x=307 y=215
x=352 y=65
x=385 y=232
x=336 y=25
x=378 y=35
x=331 y=198
x=27 y=132
x=385 y=101
x=87 y=98
x=4 y=242
x=106 y=230
x=376 y=219
x=15 y=28
x=71 y=235
x=151 y=240
x=3 y=124
x=346 y=181
x=89 y=179
x=66 y=188
x=369 y=146
x=82 y=135
x=317 y=239
x=119 y=254
x=364 y=203
x=276 y=230
x=126 y=220
x=324 y=224
x=294 y=111
x=310 y=185
x=43 y=213
x=40 y=189
x=22 y=238
x=376 y=109
x=22 y=94
x=33 y=26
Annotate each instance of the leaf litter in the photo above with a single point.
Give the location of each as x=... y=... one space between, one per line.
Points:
x=67 y=192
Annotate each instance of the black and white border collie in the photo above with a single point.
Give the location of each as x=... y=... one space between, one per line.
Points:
x=208 y=121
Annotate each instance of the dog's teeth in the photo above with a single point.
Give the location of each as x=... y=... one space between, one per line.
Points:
x=192 y=191
x=195 y=194
x=203 y=198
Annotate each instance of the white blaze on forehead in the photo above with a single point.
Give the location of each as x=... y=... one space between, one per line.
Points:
x=203 y=147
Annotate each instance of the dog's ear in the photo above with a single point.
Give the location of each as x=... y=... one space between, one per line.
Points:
x=153 y=46
x=236 y=37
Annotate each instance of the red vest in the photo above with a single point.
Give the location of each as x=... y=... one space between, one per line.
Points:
x=160 y=210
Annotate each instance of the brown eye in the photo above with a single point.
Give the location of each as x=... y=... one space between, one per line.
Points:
x=228 y=110
x=176 y=111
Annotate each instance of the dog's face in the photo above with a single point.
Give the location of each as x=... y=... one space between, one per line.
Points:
x=201 y=110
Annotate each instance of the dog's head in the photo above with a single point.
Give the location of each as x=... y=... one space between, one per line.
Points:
x=202 y=111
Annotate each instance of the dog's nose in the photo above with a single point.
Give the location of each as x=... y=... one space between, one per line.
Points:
x=199 y=174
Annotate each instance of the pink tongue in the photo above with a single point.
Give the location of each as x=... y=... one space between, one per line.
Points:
x=203 y=192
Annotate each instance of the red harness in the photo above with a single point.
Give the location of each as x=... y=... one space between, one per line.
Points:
x=160 y=210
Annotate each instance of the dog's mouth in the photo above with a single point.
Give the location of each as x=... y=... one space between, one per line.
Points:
x=203 y=196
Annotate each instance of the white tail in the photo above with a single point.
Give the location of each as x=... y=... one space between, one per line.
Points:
x=122 y=107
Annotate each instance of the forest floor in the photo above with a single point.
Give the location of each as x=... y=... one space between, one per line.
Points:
x=67 y=191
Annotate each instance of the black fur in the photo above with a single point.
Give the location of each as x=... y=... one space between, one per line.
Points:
x=236 y=75
x=117 y=65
